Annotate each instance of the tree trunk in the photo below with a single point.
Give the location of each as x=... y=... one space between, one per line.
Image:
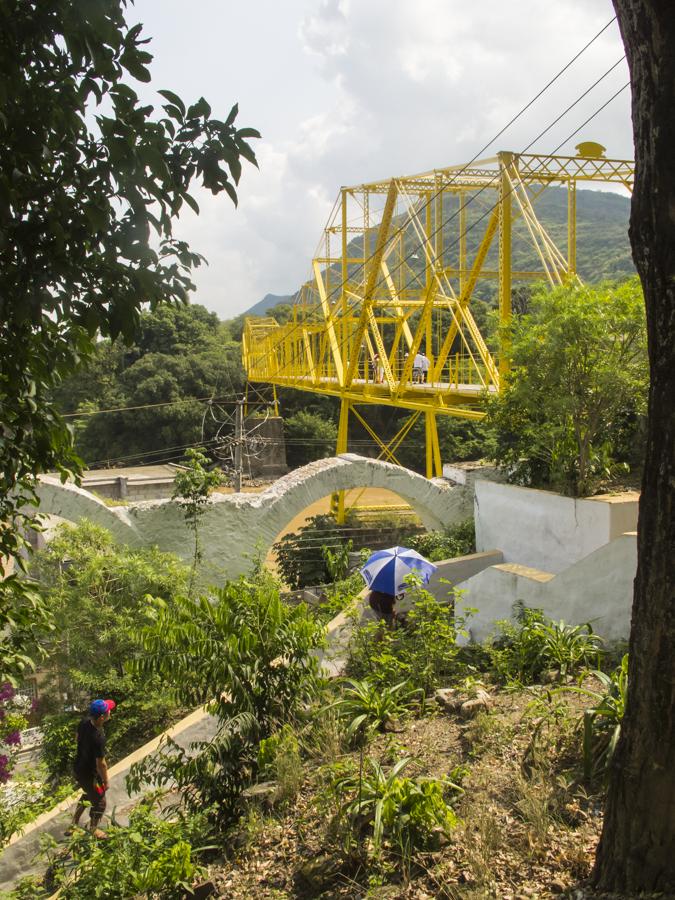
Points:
x=637 y=848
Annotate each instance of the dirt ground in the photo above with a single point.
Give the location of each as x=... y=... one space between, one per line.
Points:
x=527 y=830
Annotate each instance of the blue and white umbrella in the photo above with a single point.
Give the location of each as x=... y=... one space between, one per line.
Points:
x=386 y=570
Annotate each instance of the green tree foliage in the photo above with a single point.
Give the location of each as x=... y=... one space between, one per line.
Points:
x=572 y=403
x=90 y=181
x=249 y=657
x=97 y=593
x=192 y=487
x=308 y=436
x=182 y=355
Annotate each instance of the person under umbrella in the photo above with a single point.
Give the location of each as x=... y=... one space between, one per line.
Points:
x=385 y=572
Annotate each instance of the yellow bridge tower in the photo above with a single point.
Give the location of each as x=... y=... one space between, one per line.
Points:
x=386 y=317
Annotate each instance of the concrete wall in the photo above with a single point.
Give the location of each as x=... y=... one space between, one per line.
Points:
x=237 y=528
x=545 y=530
x=597 y=589
x=130 y=489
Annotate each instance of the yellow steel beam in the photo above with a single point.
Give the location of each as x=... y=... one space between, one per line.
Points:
x=366 y=302
x=465 y=296
x=329 y=324
x=410 y=285
x=505 y=160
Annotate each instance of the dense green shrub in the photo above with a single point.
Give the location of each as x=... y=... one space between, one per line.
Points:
x=457 y=540
x=250 y=658
x=423 y=651
x=533 y=644
x=152 y=856
x=411 y=815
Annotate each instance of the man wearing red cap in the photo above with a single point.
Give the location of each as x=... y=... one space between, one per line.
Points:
x=91 y=771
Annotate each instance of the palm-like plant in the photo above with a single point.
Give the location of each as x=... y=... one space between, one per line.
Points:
x=370 y=707
x=566 y=646
x=602 y=722
x=409 y=812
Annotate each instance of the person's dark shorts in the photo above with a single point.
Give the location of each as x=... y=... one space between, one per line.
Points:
x=88 y=784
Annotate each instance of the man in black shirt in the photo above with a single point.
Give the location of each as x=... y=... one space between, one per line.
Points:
x=91 y=771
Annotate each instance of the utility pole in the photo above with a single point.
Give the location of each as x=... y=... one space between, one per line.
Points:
x=238 y=444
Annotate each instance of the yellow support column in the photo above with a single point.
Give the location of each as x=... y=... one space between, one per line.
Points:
x=462 y=244
x=434 y=466
x=338 y=499
x=571 y=228
x=505 y=217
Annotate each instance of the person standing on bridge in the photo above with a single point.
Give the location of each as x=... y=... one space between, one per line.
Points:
x=91 y=770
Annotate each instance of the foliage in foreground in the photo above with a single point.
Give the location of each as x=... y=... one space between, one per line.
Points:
x=91 y=179
x=371 y=708
x=572 y=404
x=602 y=721
x=422 y=651
x=249 y=658
x=525 y=649
x=25 y=798
x=409 y=814
x=152 y=856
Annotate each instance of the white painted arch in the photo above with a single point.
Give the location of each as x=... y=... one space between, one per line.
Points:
x=238 y=527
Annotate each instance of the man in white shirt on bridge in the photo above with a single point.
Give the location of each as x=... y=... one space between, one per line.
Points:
x=421 y=365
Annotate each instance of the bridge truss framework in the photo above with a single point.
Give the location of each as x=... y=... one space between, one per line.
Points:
x=398 y=266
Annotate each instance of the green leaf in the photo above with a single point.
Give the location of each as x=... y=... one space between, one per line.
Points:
x=173 y=99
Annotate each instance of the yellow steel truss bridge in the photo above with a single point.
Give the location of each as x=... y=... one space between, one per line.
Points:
x=387 y=316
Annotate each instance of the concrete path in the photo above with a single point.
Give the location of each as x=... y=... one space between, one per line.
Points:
x=19 y=857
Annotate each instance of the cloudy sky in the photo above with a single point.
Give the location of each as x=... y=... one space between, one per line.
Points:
x=346 y=91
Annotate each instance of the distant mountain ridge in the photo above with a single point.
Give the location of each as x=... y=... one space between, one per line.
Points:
x=267 y=302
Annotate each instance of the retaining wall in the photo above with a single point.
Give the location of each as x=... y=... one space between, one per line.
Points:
x=597 y=589
x=545 y=530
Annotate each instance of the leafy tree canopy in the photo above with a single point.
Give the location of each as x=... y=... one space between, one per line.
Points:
x=183 y=354
x=90 y=182
x=573 y=400
x=97 y=594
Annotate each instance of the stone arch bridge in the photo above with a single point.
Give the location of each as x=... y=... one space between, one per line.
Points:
x=238 y=528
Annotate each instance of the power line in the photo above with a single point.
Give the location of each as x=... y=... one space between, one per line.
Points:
x=96 y=412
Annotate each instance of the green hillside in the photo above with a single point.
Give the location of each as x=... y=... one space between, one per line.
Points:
x=603 y=248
